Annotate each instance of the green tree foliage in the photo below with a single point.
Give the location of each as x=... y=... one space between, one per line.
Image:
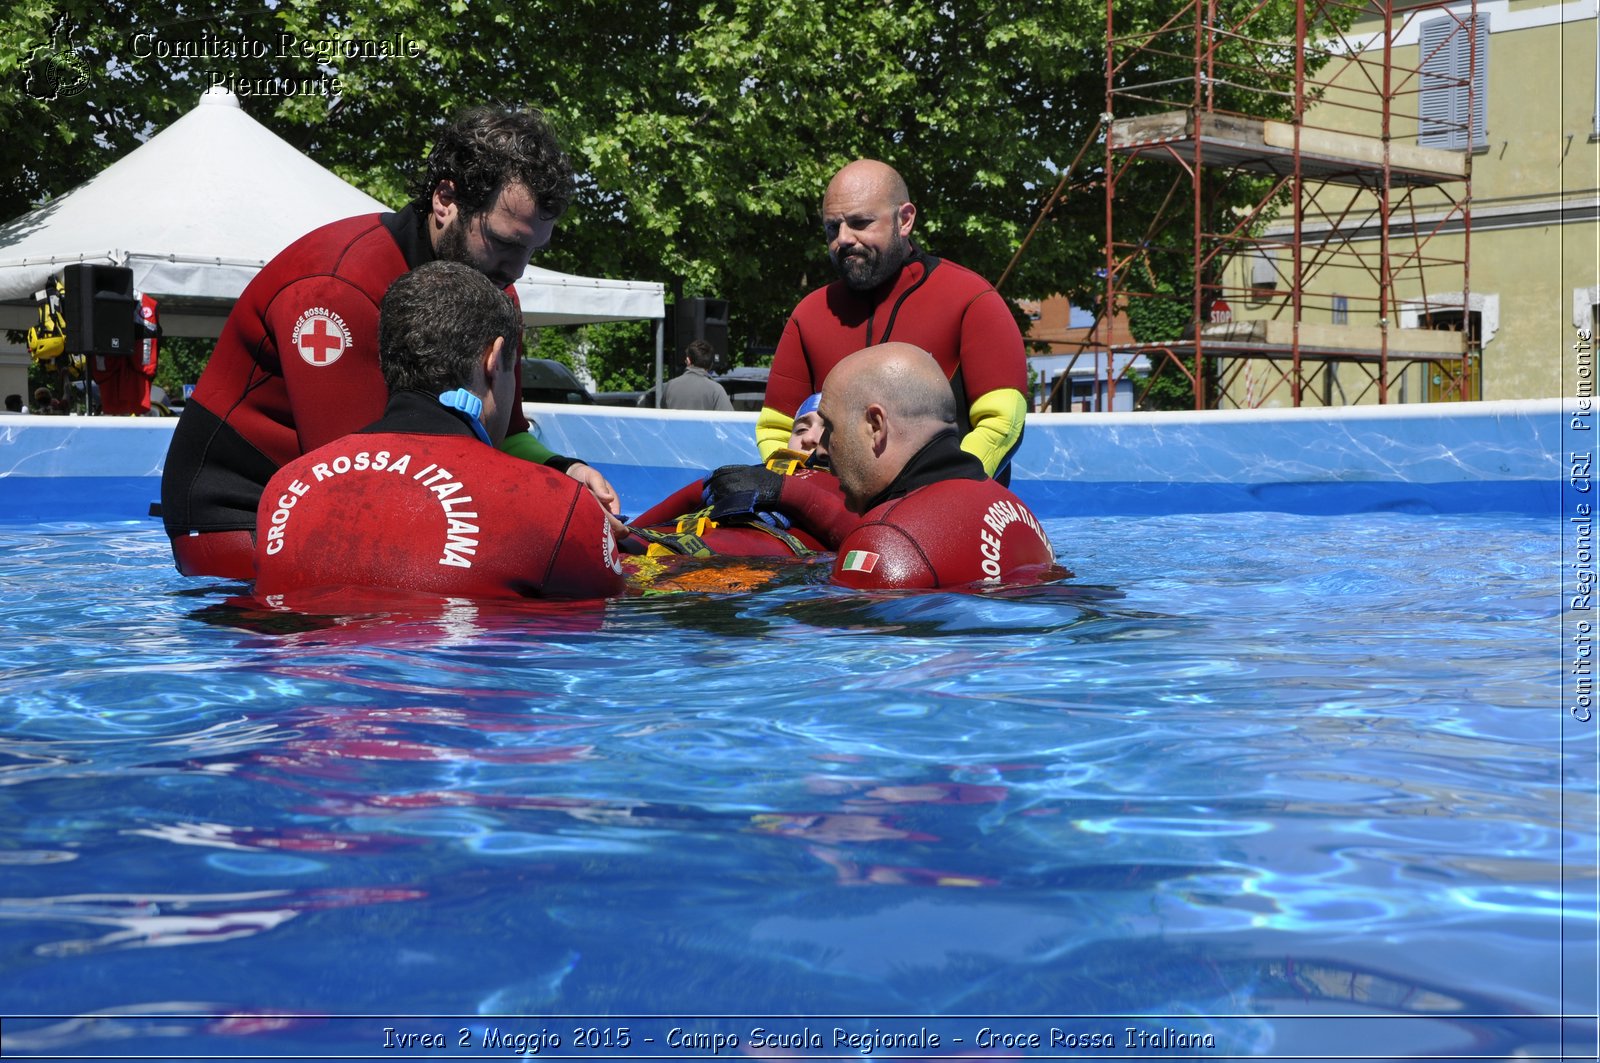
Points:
x=178 y=362
x=1159 y=314
x=704 y=132
x=617 y=355
x=1165 y=307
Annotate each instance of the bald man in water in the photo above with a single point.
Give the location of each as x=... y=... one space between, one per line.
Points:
x=889 y=289
x=921 y=510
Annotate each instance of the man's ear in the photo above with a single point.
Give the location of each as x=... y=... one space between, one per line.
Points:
x=494 y=359
x=877 y=426
x=444 y=204
x=906 y=216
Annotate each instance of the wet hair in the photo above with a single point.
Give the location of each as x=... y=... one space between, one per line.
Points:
x=486 y=148
x=434 y=324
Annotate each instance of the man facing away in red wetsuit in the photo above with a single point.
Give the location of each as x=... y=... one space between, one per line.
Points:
x=921 y=511
x=889 y=289
x=422 y=500
x=297 y=362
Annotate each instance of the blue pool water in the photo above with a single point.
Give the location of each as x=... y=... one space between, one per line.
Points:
x=1299 y=785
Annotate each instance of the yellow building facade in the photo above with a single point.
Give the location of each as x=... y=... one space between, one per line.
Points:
x=1523 y=248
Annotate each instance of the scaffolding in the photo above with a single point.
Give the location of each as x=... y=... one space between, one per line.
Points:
x=1295 y=190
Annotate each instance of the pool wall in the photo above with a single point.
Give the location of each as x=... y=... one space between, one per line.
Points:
x=1456 y=458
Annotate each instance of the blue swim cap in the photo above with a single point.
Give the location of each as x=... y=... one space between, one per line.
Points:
x=808 y=406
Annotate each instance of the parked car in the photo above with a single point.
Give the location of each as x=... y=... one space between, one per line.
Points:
x=746 y=386
x=546 y=381
x=620 y=398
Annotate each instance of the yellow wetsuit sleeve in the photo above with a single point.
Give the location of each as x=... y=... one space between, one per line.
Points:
x=996 y=426
x=523 y=445
x=772 y=431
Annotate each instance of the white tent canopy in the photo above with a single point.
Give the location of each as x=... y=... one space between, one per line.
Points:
x=198 y=209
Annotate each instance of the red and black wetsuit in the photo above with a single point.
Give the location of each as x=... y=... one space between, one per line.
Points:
x=418 y=502
x=947 y=310
x=941 y=523
x=296 y=366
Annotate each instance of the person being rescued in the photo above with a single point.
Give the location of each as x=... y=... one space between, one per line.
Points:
x=685 y=522
x=422 y=500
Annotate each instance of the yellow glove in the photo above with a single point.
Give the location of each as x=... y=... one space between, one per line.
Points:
x=772 y=431
x=996 y=418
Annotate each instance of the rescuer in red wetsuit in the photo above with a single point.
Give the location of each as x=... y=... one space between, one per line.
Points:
x=421 y=500
x=297 y=365
x=922 y=513
x=891 y=290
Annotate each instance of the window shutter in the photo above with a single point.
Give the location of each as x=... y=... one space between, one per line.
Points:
x=1479 y=70
x=1446 y=108
x=1436 y=105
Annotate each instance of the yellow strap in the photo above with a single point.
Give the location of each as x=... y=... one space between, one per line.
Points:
x=681 y=542
x=786 y=462
x=687 y=538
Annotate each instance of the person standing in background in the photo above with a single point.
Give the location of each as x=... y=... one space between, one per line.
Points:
x=694 y=389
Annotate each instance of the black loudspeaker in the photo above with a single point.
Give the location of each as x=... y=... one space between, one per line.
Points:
x=102 y=314
x=703 y=319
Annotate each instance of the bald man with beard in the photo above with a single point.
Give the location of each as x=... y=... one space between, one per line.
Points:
x=920 y=511
x=890 y=290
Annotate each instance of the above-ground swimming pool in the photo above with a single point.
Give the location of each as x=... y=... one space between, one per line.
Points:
x=1266 y=784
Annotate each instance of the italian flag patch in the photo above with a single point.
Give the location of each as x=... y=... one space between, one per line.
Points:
x=859 y=561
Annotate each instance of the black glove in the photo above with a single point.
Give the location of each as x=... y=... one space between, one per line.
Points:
x=755 y=485
x=738 y=493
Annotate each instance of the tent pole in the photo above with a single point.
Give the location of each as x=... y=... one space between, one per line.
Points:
x=661 y=323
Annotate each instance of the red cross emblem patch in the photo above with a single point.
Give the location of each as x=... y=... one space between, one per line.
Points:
x=320 y=336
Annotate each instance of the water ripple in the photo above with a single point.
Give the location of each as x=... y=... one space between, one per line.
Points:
x=1240 y=765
